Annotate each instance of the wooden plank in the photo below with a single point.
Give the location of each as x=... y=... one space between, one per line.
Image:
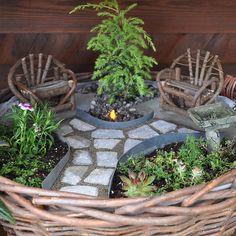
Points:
x=160 y=16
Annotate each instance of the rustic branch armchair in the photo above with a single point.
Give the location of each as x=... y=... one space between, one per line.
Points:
x=194 y=79
x=42 y=78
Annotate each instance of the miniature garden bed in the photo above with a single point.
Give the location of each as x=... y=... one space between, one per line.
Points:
x=58 y=155
x=143 y=159
x=134 y=112
x=205 y=209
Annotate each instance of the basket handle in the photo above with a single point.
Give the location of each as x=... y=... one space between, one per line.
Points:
x=214 y=183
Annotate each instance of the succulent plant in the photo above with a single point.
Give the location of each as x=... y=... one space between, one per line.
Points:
x=137 y=184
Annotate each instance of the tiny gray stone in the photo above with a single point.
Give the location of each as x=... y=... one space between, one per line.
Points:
x=82 y=158
x=85 y=190
x=107 y=133
x=107 y=159
x=130 y=143
x=105 y=143
x=93 y=102
x=64 y=130
x=186 y=130
x=78 y=142
x=100 y=176
x=132 y=109
x=74 y=174
x=143 y=132
x=81 y=125
x=163 y=126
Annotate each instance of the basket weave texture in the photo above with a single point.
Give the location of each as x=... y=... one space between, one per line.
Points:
x=207 y=209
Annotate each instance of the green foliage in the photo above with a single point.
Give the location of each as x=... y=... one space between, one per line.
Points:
x=5 y=214
x=32 y=130
x=136 y=185
x=188 y=166
x=29 y=140
x=122 y=65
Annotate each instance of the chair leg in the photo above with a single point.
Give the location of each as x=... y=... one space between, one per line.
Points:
x=168 y=107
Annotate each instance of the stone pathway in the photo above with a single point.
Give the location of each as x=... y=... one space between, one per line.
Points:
x=95 y=152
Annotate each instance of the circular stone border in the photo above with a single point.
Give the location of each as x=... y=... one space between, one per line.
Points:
x=85 y=116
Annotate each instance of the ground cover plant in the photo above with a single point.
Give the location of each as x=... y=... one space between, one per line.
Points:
x=174 y=167
x=26 y=142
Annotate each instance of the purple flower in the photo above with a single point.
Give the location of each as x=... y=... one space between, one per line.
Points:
x=26 y=106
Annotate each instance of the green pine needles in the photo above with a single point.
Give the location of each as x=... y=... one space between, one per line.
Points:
x=121 y=66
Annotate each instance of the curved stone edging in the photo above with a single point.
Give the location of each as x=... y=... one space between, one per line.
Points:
x=85 y=116
x=56 y=171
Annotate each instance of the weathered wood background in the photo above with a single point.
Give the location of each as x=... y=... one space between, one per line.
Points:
x=28 y=26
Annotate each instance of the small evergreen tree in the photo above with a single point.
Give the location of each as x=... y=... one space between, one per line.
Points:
x=121 y=66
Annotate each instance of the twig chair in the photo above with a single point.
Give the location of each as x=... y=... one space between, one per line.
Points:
x=195 y=78
x=43 y=79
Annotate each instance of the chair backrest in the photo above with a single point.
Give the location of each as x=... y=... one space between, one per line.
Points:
x=35 y=68
x=199 y=66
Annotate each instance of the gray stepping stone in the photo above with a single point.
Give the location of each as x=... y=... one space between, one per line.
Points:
x=86 y=190
x=186 y=130
x=64 y=130
x=163 y=126
x=143 y=132
x=82 y=158
x=78 y=142
x=81 y=125
x=130 y=143
x=107 y=159
x=107 y=133
x=74 y=174
x=99 y=176
x=105 y=143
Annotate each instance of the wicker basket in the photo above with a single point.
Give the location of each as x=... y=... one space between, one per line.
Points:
x=207 y=209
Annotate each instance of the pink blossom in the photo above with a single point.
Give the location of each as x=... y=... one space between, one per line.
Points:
x=26 y=106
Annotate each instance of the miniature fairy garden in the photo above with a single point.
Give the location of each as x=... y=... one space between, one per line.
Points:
x=121 y=66
x=171 y=174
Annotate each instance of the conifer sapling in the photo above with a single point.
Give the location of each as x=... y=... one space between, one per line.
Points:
x=121 y=66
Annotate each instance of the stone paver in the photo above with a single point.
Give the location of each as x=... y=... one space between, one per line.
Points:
x=163 y=126
x=74 y=174
x=105 y=143
x=78 y=142
x=82 y=157
x=81 y=125
x=107 y=133
x=143 y=132
x=64 y=130
x=87 y=190
x=99 y=176
x=130 y=143
x=107 y=159
x=186 y=130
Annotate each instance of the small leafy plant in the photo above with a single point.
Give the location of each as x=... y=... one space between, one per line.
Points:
x=121 y=66
x=190 y=165
x=137 y=184
x=29 y=139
